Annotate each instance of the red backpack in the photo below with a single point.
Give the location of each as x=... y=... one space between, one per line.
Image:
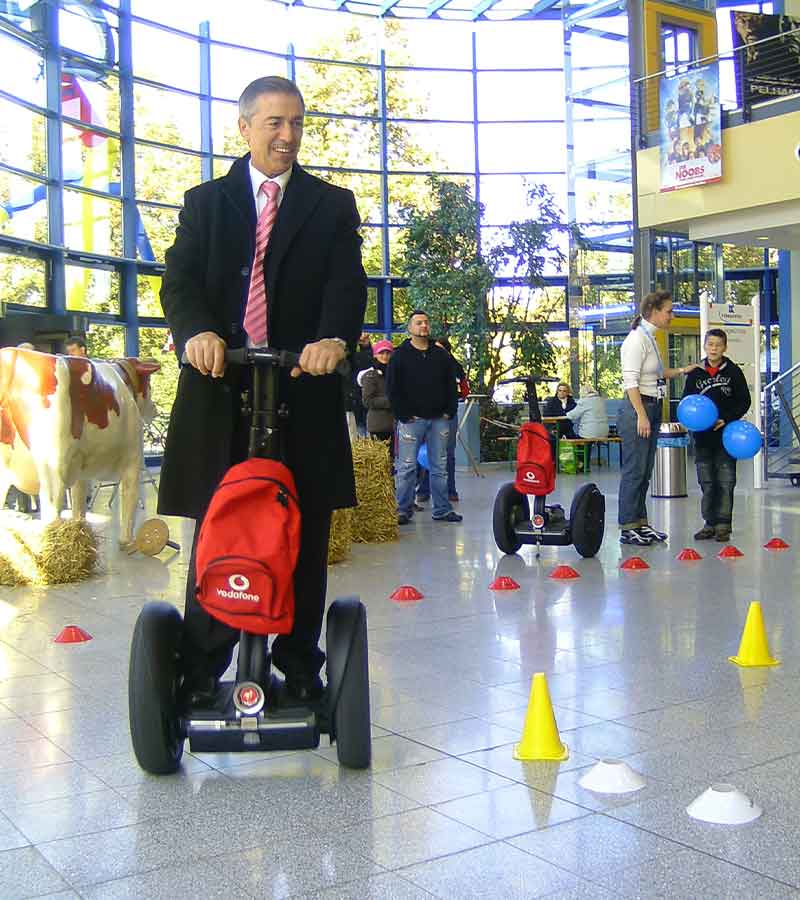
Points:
x=536 y=470
x=247 y=548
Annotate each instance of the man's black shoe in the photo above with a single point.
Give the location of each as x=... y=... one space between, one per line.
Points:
x=198 y=693
x=310 y=693
x=403 y=519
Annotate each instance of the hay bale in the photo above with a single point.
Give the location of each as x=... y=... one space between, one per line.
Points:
x=69 y=552
x=65 y=552
x=17 y=561
x=341 y=535
x=375 y=517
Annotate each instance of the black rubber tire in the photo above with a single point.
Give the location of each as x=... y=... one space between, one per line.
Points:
x=152 y=685
x=348 y=682
x=510 y=507
x=587 y=520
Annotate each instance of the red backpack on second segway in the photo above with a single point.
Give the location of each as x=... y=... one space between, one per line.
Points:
x=536 y=471
x=247 y=548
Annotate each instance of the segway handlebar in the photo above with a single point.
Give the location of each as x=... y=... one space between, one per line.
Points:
x=527 y=379
x=285 y=359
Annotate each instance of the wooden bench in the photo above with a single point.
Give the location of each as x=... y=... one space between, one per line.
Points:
x=585 y=444
x=599 y=443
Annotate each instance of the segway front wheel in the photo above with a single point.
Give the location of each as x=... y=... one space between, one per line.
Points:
x=152 y=684
x=587 y=519
x=348 y=682
x=510 y=508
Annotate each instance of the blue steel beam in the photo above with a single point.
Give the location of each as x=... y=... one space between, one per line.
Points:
x=598 y=32
x=434 y=7
x=542 y=6
x=592 y=10
x=481 y=7
x=387 y=6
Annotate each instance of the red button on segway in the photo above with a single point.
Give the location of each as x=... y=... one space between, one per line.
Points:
x=248 y=696
x=538 y=521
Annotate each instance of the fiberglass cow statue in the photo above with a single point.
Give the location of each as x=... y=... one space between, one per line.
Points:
x=67 y=419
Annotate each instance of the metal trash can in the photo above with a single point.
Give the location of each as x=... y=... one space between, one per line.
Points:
x=669 y=471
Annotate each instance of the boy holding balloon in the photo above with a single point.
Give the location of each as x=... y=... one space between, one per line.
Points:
x=723 y=382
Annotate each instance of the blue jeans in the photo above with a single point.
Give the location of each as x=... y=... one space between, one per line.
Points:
x=638 y=457
x=716 y=475
x=410 y=436
x=423 y=475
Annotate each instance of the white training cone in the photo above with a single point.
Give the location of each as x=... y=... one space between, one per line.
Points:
x=612 y=776
x=723 y=804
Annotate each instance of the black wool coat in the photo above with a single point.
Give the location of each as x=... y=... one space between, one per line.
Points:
x=316 y=288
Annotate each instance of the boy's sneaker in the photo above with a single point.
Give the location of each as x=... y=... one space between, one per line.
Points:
x=651 y=533
x=723 y=533
x=705 y=534
x=634 y=536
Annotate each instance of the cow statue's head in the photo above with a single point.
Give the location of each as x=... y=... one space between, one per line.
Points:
x=137 y=373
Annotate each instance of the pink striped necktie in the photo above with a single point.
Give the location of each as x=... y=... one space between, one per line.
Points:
x=255 y=317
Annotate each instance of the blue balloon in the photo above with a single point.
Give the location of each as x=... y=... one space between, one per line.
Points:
x=697 y=412
x=422 y=456
x=741 y=439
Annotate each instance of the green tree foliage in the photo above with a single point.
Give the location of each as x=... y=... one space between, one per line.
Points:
x=498 y=331
x=352 y=144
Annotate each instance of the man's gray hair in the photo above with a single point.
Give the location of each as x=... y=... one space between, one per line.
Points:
x=271 y=84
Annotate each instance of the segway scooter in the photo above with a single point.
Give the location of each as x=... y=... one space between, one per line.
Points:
x=251 y=712
x=512 y=522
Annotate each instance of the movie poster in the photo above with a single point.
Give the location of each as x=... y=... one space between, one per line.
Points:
x=691 y=133
x=769 y=69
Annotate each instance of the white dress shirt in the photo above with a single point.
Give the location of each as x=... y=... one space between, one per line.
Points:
x=258 y=178
x=641 y=361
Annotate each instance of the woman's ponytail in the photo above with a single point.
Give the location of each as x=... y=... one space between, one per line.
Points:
x=635 y=322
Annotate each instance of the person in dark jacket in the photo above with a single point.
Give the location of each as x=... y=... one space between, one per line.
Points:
x=360 y=361
x=301 y=286
x=722 y=381
x=559 y=405
x=421 y=388
x=380 y=420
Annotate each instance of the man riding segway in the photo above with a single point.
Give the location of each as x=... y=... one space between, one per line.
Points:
x=266 y=252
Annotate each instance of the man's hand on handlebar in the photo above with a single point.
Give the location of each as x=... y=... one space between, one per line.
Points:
x=320 y=358
x=206 y=352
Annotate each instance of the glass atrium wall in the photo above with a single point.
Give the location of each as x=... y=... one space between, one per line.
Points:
x=110 y=111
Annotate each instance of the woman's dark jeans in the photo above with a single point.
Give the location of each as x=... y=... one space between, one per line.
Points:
x=716 y=475
x=638 y=456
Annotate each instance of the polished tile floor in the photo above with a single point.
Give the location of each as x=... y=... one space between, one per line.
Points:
x=637 y=668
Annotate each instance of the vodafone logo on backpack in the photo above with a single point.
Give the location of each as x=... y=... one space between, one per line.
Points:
x=239 y=582
x=238 y=589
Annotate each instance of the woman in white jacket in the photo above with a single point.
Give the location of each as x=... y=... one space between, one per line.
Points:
x=589 y=415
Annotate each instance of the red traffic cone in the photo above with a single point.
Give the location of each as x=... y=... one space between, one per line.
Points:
x=564 y=572
x=406 y=593
x=729 y=552
x=776 y=544
x=72 y=634
x=634 y=563
x=504 y=583
x=688 y=553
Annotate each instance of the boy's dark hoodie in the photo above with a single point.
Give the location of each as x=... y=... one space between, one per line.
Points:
x=727 y=388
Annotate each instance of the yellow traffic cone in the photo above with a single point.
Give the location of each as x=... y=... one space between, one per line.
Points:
x=540 y=738
x=754 y=648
